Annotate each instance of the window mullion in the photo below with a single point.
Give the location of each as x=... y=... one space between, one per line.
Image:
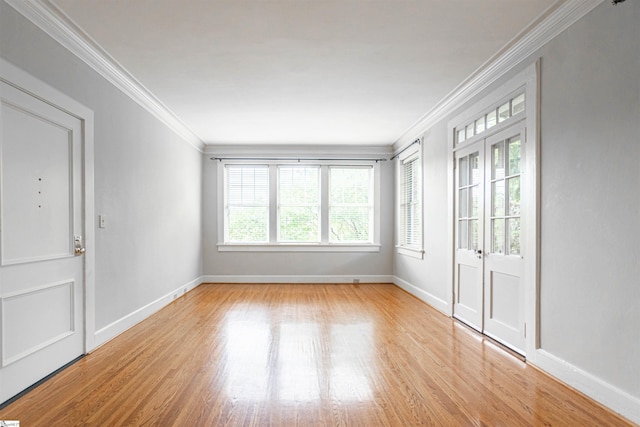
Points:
x=324 y=204
x=274 y=186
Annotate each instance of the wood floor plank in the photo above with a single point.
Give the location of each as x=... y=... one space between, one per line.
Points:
x=303 y=355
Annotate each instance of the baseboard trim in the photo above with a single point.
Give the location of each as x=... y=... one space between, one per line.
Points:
x=435 y=302
x=106 y=334
x=613 y=398
x=298 y=279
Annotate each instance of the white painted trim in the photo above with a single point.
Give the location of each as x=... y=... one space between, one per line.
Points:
x=297 y=279
x=410 y=251
x=617 y=400
x=114 y=329
x=46 y=16
x=435 y=302
x=20 y=79
x=549 y=27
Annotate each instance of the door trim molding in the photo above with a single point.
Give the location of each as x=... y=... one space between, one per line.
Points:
x=25 y=82
x=529 y=79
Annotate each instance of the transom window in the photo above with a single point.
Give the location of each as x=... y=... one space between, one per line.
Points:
x=512 y=107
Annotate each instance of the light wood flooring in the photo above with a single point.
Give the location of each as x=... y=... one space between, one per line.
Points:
x=308 y=355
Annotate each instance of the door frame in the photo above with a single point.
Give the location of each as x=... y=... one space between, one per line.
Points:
x=529 y=80
x=29 y=84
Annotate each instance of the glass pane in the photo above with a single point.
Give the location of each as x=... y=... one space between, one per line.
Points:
x=514 y=235
x=473 y=231
x=497 y=236
x=474 y=165
x=475 y=201
x=497 y=191
x=463 y=238
x=491 y=119
x=349 y=224
x=248 y=224
x=514 y=196
x=247 y=185
x=469 y=131
x=480 y=125
x=517 y=104
x=461 y=136
x=299 y=224
x=504 y=112
x=463 y=203
x=463 y=166
x=349 y=185
x=299 y=185
x=497 y=161
x=515 y=156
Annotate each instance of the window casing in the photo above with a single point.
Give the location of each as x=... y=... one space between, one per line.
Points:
x=319 y=206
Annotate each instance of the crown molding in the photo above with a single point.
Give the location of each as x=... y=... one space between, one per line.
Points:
x=551 y=24
x=58 y=26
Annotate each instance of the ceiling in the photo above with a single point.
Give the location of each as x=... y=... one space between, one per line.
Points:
x=357 y=72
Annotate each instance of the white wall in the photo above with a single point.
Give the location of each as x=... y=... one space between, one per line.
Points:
x=590 y=209
x=590 y=252
x=295 y=266
x=148 y=183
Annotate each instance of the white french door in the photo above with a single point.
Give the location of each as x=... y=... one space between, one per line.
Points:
x=488 y=286
x=41 y=229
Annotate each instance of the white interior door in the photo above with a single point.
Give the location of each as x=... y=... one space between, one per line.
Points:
x=468 y=276
x=41 y=216
x=488 y=286
x=503 y=262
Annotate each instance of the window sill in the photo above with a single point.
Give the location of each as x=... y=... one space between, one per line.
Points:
x=296 y=247
x=411 y=252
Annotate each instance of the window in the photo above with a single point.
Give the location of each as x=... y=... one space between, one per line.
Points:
x=247 y=204
x=299 y=204
x=322 y=206
x=350 y=204
x=511 y=107
x=410 y=202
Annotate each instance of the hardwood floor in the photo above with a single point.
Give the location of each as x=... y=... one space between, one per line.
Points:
x=312 y=355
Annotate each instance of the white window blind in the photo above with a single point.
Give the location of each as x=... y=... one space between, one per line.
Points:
x=247 y=204
x=350 y=204
x=299 y=204
x=410 y=205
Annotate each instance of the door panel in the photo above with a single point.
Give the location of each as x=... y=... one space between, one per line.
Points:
x=35 y=193
x=41 y=278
